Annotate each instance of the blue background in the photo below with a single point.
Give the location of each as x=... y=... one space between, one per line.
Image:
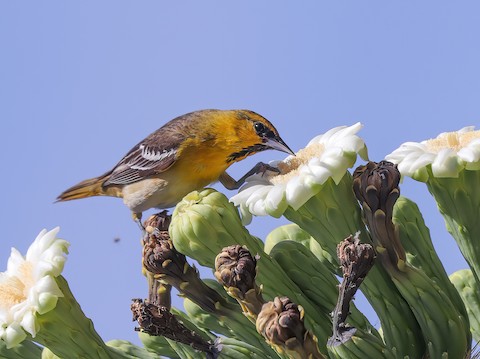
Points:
x=82 y=82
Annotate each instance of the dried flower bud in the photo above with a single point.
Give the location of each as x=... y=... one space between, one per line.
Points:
x=236 y=267
x=356 y=260
x=159 y=221
x=376 y=187
x=158 y=321
x=281 y=323
x=156 y=227
x=160 y=257
x=376 y=184
x=171 y=267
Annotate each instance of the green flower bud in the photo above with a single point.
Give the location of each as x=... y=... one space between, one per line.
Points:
x=225 y=228
x=464 y=281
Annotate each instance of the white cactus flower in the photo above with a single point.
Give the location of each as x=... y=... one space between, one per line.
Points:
x=447 y=154
x=28 y=286
x=301 y=176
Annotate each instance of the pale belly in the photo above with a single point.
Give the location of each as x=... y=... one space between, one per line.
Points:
x=158 y=193
x=167 y=189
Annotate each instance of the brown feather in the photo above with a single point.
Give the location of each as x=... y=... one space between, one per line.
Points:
x=88 y=188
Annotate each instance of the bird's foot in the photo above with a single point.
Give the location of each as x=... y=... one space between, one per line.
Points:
x=262 y=168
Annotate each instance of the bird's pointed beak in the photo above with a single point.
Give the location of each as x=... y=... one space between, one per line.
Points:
x=277 y=143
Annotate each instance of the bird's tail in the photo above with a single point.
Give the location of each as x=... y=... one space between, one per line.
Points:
x=88 y=188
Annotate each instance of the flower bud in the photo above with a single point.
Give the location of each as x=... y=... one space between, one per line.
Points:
x=281 y=323
x=235 y=269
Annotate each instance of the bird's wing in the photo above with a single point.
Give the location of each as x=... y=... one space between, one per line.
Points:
x=142 y=160
x=155 y=154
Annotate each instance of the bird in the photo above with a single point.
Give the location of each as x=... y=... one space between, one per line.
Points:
x=187 y=153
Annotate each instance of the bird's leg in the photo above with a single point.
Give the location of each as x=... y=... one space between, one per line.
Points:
x=260 y=167
x=137 y=217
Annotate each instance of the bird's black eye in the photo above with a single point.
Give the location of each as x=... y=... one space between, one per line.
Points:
x=259 y=128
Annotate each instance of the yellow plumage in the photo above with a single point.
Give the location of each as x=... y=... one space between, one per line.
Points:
x=187 y=153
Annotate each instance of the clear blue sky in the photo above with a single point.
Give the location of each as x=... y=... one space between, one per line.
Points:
x=82 y=82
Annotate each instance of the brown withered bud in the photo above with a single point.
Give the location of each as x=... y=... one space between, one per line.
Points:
x=356 y=260
x=376 y=187
x=235 y=269
x=169 y=266
x=160 y=257
x=160 y=221
x=159 y=321
x=281 y=324
x=157 y=226
x=156 y=229
x=376 y=184
x=281 y=321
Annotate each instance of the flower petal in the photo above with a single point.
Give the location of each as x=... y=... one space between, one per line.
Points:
x=447 y=154
x=15 y=261
x=326 y=156
x=13 y=335
x=29 y=324
x=275 y=202
x=446 y=164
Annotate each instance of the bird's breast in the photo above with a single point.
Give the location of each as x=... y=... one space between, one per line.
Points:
x=203 y=163
x=166 y=189
x=195 y=168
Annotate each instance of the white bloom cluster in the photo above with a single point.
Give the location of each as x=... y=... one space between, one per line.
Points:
x=326 y=156
x=448 y=154
x=28 y=287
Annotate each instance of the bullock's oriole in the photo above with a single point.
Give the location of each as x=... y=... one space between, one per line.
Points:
x=187 y=153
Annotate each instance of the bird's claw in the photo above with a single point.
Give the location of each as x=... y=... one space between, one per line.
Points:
x=262 y=168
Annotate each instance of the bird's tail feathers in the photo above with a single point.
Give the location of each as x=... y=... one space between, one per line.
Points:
x=88 y=188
